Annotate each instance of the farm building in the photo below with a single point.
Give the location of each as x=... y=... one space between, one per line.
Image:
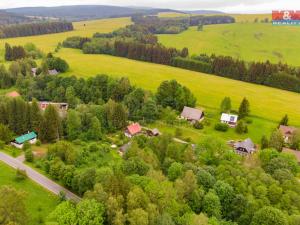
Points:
x=19 y=141
x=191 y=114
x=245 y=147
x=229 y=119
x=287 y=132
x=13 y=94
x=133 y=130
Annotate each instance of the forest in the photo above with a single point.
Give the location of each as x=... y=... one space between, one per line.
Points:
x=157 y=181
x=31 y=29
x=140 y=43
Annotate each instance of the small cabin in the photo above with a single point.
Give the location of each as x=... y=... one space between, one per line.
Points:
x=191 y=114
x=133 y=130
x=31 y=138
x=153 y=133
x=246 y=147
x=287 y=132
x=229 y=119
x=53 y=72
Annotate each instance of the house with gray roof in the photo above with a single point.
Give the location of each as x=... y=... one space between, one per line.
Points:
x=191 y=114
x=245 y=147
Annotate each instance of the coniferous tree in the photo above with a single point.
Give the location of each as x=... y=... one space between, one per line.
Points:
x=264 y=142
x=226 y=105
x=35 y=116
x=284 y=121
x=244 y=109
x=8 y=52
x=95 y=132
x=51 y=127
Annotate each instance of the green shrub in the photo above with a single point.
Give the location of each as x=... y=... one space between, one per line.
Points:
x=198 y=125
x=29 y=155
x=20 y=175
x=26 y=146
x=223 y=127
x=241 y=127
x=38 y=143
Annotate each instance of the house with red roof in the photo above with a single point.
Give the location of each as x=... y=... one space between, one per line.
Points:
x=133 y=130
x=13 y=94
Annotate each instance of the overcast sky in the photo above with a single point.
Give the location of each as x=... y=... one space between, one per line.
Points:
x=223 y=5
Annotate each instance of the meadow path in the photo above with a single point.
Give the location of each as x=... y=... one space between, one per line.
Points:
x=37 y=177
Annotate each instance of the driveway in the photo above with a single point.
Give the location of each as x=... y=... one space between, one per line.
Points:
x=37 y=177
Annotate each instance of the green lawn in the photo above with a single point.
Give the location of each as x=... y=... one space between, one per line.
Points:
x=39 y=202
x=248 y=41
x=85 y=29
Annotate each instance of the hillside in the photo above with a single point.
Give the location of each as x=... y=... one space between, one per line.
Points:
x=248 y=41
x=11 y=18
x=84 y=12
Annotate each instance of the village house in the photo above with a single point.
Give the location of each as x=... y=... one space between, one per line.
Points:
x=19 y=141
x=13 y=94
x=191 y=114
x=153 y=133
x=229 y=119
x=61 y=107
x=287 y=132
x=245 y=147
x=133 y=130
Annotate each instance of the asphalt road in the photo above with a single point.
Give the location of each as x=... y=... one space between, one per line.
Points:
x=38 y=178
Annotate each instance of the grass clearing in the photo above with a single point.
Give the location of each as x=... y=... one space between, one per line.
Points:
x=248 y=41
x=39 y=202
x=49 y=42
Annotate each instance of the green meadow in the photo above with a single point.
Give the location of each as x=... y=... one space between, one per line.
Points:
x=268 y=105
x=39 y=202
x=247 y=41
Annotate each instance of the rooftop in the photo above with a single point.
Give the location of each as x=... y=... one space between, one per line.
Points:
x=191 y=113
x=134 y=128
x=26 y=137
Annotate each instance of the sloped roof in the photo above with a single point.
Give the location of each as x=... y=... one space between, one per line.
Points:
x=13 y=94
x=229 y=118
x=191 y=113
x=246 y=144
x=287 y=130
x=26 y=137
x=53 y=72
x=134 y=128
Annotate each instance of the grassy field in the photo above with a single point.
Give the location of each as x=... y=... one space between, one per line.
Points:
x=39 y=202
x=86 y=29
x=248 y=41
x=268 y=105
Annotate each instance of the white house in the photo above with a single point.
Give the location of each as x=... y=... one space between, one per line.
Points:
x=229 y=119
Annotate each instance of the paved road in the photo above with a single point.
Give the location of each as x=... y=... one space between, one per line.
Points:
x=37 y=177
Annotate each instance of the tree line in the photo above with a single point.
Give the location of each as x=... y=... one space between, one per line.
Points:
x=22 y=30
x=277 y=75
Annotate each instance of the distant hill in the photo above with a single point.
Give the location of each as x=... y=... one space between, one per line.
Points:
x=203 y=12
x=7 y=18
x=84 y=12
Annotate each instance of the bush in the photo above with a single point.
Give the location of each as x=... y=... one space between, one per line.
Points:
x=38 y=143
x=29 y=155
x=198 y=125
x=26 y=146
x=223 y=127
x=20 y=175
x=241 y=127
x=248 y=121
